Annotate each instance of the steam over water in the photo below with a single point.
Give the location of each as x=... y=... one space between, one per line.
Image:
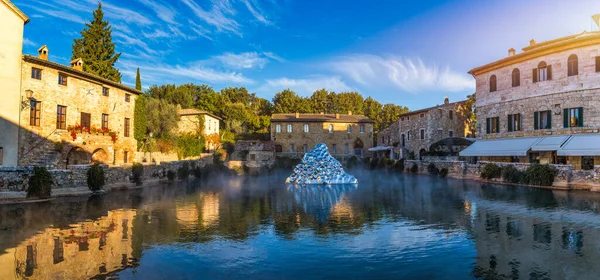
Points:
x=390 y=226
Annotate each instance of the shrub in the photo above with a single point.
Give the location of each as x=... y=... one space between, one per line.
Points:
x=511 y=174
x=490 y=171
x=414 y=168
x=189 y=145
x=197 y=172
x=432 y=169
x=381 y=162
x=352 y=162
x=219 y=156
x=374 y=163
x=171 y=175
x=540 y=174
x=399 y=166
x=137 y=172
x=389 y=163
x=95 y=177
x=366 y=161
x=58 y=146
x=40 y=183
x=443 y=172
x=184 y=171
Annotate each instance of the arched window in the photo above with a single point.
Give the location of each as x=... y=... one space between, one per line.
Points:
x=572 y=65
x=493 y=83
x=542 y=73
x=330 y=128
x=516 y=77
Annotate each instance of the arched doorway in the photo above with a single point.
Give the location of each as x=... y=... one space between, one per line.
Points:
x=77 y=156
x=422 y=153
x=99 y=156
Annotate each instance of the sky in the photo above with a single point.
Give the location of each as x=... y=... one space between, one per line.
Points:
x=410 y=53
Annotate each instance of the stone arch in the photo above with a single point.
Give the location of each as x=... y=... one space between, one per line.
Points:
x=77 y=156
x=358 y=143
x=100 y=156
x=422 y=153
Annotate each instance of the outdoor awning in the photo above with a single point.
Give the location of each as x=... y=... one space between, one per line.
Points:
x=500 y=147
x=381 y=148
x=550 y=143
x=581 y=145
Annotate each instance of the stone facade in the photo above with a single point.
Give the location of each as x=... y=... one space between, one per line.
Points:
x=533 y=98
x=343 y=134
x=189 y=122
x=45 y=140
x=437 y=123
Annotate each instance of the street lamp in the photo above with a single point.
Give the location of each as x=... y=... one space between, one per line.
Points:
x=26 y=102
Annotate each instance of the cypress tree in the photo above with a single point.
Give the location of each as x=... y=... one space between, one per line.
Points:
x=138 y=80
x=140 y=124
x=97 y=49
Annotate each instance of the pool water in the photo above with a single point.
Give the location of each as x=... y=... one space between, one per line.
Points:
x=390 y=226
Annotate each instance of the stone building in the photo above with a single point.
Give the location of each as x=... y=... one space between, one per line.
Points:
x=12 y=21
x=189 y=122
x=72 y=117
x=344 y=135
x=541 y=105
x=416 y=131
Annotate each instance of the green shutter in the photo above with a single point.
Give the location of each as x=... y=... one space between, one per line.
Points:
x=534 y=75
x=497 y=124
x=520 y=122
x=549 y=114
x=566 y=118
x=487 y=126
x=510 y=123
x=580 y=124
x=535 y=120
x=549 y=74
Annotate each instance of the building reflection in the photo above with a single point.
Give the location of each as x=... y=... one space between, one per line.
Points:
x=82 y=250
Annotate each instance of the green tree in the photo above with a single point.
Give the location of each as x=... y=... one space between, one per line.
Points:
x=161 y=117
x=138 y=80
x=288 y=101
x=97 y=49
x=469 y=112
x=319 y=102
x=140 y=124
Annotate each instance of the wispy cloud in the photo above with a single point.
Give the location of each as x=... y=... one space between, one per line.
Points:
x=255 y=11
x=27 y=42
x=219 y=16
x=162 y=11
x=128 y=40
x=247 y=60
x=410 y=75
x=303 y=87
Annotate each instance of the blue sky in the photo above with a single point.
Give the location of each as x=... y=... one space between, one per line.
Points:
x=411 y=53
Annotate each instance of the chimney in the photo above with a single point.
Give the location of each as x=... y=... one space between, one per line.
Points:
x=297 y=115
x=532 y=42
x=349 y=113
x=596 y=19
x=337 y=116
x=446 y=100
x=43 y=52
x=77 y=64
x=511 y=52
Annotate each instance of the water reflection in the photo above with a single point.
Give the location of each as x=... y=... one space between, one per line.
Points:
x=388 y=227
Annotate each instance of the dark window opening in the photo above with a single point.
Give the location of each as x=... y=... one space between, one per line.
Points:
x=36 y=73
x=493 y=83
x=104 y=121
x=105 y=91
x=572 y=65
x=127 y=97
x=86 y=119
x=126 y=127
x=62 y=79
x=61 y=117
x=35 y=112
x=516 y=77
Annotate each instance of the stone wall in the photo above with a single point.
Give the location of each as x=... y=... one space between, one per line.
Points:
x=158 y=157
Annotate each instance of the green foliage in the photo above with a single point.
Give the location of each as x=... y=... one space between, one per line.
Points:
x=490 y=171
x=219 y=156
x=414 y=168
x=161 y=117
x=171 y=175
x=58 y=146
x=389 y=163
x=140 y=124
x=511 y=174
x=540 y=174
x=399 y=166
x=138 y=80
x=183 y=172
x=374 y=163
x=443 y=172
x=40 y=184
x=381 y=162
x=97 y=49
x=189 y=145
x=95 y=177
x=137 y=172
x=432 y=169
x=352 y=162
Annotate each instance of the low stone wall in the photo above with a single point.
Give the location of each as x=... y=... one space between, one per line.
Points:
x=17 y=178
x=158 y=157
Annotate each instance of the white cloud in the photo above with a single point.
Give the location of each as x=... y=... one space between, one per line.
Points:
x=255 y=11
x=27 y=42
x=164 y=12
x=219 y=16
x=245 y=60
x=304 y=87
x=273 y=56
x=411 y=75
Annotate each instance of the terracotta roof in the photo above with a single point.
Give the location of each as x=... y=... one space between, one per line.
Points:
x=191 y=111
x=430 y=108
x=541 y=49
x=343 y=118
x=16 y=10
x=73 y=71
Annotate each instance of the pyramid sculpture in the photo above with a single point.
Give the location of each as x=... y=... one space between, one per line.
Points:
x=319 y=167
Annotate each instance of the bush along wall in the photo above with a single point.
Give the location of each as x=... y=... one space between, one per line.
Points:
x=432 y=169
x=40 y=184
x=414 y=168
x=443 y=172
x=511 y=174
x=540 y=175
x=95 y=177
x=184 y=171
x=490 y=171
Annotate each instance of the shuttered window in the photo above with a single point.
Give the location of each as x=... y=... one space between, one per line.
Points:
x=104 y=121
x=573 y=117
x=35 y=112
x=62 y=79
x=514 y=122
x=493 y=83
x=516 y=77
x=61 y=117
x=573 y=65
x=542 y=120
x=126 y=127
x=597 y=63
x=86 y=119
x=492 y=125
x=542 y=73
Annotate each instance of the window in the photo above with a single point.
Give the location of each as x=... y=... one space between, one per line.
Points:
x=126 y=127
x=597 y=64
x=587 y=163
x=516 y=77
x=1 y=155
x=289 y=128
x=104 y=121
x=349 y=129
x=493 y=86
x=362 y=128
x=127 y=97
x=330 y=128
x=305 y=148
x=492 y=125
x=422 y=134
x=451 y=114
x=346 y=148
x=36 y=73
x=542 y=120
x=61 y=117
x=125 y=156
x=105 y=91
x=450 y=133
x=85 y=119
x=514 y=122
x=291 y=148
x=334 y=149
x=573 y=117
x=542 y=73
x=572 y=65
x=35 y=112
x=422 y=115
x=277 y=128
x=408 y=136
x=62 y=79
x=306 y=128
